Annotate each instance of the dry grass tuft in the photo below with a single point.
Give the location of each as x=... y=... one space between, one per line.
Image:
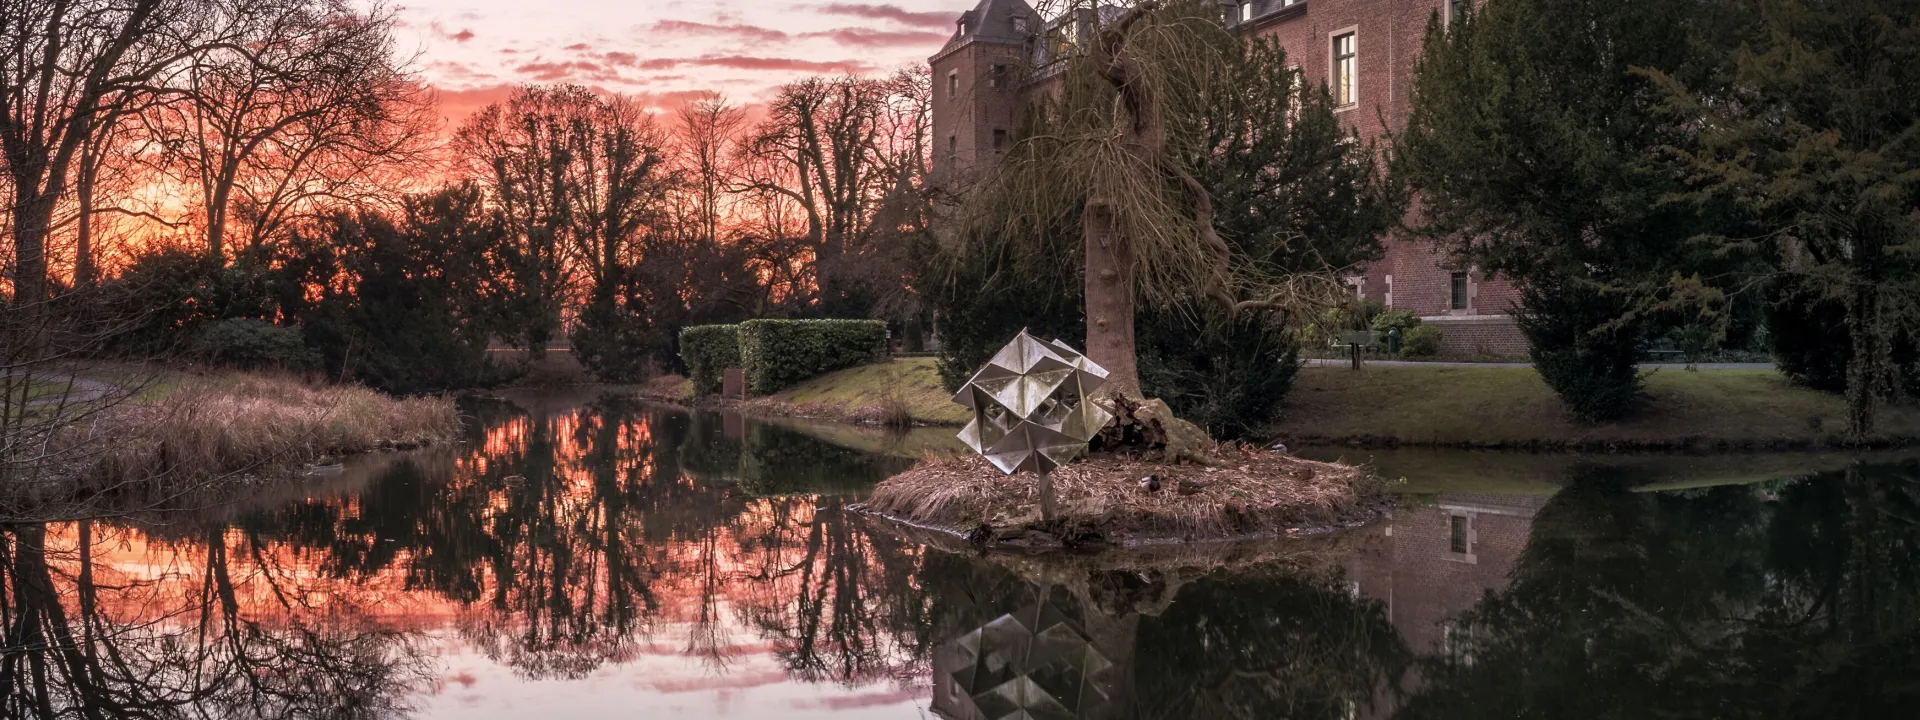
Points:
x=247 y=423
x=1249 y=492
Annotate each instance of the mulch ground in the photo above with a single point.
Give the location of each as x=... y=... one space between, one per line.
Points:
x=1111 y=499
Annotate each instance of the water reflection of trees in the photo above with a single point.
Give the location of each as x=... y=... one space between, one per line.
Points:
x=1794 y=599
x=568 y=538
x=82 y=641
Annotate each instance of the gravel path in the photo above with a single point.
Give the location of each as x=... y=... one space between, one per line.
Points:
x=83 y=391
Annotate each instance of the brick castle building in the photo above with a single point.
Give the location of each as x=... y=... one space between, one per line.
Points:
x=1362 y=51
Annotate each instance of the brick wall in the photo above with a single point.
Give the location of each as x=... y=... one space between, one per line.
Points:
x=975 y=108
x=1414 y=275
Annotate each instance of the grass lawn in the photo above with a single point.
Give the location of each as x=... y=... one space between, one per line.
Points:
x=914 y=380
x=1513 y=407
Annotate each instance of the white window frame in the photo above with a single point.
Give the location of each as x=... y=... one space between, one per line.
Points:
x=1333 y=67
x=1447 y=9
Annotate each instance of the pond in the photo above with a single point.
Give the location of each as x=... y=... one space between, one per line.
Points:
x=592 y=556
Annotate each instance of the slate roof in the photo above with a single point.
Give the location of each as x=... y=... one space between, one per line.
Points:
x=993 y=21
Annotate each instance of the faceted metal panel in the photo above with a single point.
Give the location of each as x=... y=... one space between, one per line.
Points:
x=1035 y=664
x=1032 y=405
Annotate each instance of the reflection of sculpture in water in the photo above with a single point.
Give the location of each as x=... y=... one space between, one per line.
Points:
x=1038 y=662
x=1082 y=640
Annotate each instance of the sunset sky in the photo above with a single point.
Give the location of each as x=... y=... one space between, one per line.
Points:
x=663 y=51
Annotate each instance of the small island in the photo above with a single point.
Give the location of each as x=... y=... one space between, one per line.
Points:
x=1112 y=499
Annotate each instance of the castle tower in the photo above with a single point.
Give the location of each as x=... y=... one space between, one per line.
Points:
x=976 y=85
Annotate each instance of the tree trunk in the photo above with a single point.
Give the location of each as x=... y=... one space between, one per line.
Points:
x=34 y=214
x=1867 y=372
x=83 y=268
x=1109 y=290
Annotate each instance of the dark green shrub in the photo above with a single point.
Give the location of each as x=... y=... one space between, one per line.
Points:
x=1810 y=342
x=779 y=353
x=253 y=344
x=162 y=298
x=1421 y=341
x=613 y=340
x=707 y=350
x=1229 y=379
x=1592 y=370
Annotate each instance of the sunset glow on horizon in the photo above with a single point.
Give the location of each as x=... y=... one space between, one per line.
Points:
x=474 y=52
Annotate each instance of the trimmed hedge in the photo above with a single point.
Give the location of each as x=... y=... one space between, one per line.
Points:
x=707 y=350
x=779 y=353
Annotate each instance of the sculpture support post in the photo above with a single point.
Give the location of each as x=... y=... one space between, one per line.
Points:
x=1049 y=507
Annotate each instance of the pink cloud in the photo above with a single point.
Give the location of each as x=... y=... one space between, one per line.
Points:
x=868 y=37
x=745 y=62
x=745 y=32
x=870 y=11
x=557 y=71
x=460 y=36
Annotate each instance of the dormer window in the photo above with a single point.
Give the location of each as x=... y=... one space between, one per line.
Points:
x=963 y=26
x=1246 y=12
x=1020 y=25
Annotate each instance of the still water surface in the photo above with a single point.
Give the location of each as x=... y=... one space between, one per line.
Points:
x=595 y=557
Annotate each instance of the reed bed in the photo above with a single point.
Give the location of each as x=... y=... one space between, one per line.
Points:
x=1245 y=492
x=206 y=434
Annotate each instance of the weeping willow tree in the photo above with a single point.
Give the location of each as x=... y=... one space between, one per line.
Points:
x=1109 y=165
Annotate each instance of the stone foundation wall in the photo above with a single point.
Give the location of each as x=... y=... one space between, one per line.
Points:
x=1479 y=335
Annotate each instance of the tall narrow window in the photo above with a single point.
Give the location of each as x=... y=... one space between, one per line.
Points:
x=1459 y=286
x=1456 y=9
x=997 y=77
x=953 y=146
x=1246 y=11
x=1344 y=63
x=999 y=139
x=1459 y=538
x=953 y=83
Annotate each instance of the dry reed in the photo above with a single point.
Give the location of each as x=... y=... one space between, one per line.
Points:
x=223 y=425
x=1249 y=492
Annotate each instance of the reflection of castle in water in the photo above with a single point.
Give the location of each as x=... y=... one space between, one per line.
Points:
x=1061 y=657
x=1432 y=563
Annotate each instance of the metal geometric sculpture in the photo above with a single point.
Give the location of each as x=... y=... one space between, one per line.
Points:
x=1032 y=406
x=1034 y=664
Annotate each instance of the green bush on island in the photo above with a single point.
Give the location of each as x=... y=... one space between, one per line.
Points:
x=779 y=353
x=707 y=350
x=1421 y=341
x=1227 y=378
